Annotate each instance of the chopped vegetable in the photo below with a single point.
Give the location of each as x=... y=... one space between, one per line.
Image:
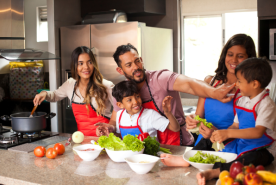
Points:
x=200 y=157
x=218 y=147
x=201 y=120
x=143 y=136
x=114 y=143
x=152 y=146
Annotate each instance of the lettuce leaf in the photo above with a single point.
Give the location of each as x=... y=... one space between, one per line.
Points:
x=200 y=157
x=114 y=143
x=201 y=120
x=218 y=147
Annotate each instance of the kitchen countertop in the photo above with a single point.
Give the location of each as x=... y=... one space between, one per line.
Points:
x=25 y=168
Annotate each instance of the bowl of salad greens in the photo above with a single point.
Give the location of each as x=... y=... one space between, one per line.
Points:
x=118 y=149
x=204 y=160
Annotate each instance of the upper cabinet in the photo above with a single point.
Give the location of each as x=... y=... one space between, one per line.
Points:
x=133 y=7
x=267 y=21
x=266 y=8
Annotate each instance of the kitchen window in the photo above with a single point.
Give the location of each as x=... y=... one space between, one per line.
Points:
x=42 y=24
x=205 y=36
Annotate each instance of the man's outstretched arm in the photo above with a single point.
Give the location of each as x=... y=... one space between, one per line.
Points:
x=202 y=89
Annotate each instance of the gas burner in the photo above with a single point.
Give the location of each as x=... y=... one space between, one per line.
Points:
x=29 y=135
x=8 y=140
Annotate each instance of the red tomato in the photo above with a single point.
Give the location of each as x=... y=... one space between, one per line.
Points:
x=253 y=179
x=51 y=153
x=39 y=151
x=260 y=167
x=59 y=148
x=235 y=169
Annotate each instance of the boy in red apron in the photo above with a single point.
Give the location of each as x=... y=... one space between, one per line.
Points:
x=134 y=119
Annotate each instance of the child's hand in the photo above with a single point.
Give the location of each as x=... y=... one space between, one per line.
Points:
x=173 y=160
x=219 y=136
x=104 y=129
x=166 y=104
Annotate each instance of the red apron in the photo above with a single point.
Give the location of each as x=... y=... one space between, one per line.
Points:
x=86 y=121
x=167 y=137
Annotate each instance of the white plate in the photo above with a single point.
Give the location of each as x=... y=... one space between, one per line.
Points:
x=201 y=166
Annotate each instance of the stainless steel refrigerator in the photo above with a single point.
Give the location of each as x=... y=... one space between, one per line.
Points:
x=155 y=46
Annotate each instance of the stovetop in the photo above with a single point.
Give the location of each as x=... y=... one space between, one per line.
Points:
x=19 y=138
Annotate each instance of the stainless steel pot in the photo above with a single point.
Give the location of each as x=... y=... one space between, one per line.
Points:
x=21 y=122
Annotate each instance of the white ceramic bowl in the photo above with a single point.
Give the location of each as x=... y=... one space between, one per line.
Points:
x=201 y=166
x=141 y=168
x=119 y=156
x=88 y=155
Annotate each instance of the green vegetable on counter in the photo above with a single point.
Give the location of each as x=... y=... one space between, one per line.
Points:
x=152 y=146
x=201 y=120
x=114 y=143
x=200 y=157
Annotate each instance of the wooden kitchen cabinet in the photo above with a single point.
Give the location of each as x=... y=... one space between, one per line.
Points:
x=131 y=7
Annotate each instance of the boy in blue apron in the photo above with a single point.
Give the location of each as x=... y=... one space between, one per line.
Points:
x=253 y=129
x=134 y=119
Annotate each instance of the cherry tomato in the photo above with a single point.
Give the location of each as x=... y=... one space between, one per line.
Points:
x=39 y=151
x=59 y=148
x=51 y=153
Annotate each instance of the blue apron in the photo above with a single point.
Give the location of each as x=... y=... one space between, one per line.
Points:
x=247 y=119
x=221 y=115
x=132 y=130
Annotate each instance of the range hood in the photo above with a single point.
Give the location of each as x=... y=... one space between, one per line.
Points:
x=26 y=54
x=12 y=34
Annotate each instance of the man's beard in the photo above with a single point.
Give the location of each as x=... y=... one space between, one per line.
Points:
x=132 y=77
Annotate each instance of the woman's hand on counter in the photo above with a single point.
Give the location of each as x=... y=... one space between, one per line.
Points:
x=191 y=122
x=39 y=98
x=205 y=131
x=104 y=129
